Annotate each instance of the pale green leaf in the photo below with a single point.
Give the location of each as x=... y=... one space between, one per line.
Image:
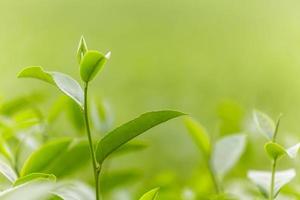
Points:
x=264 y=123
x=34 y=177
x=126 y=132
x=8 y=172
x=262 y=180
x=36 y=190
x=151 y=195
x=74 y=190
x=199 y=134
x=63 y=82
x=274 y=150
x=91 y=64
x=227 y=152
x=293 y=151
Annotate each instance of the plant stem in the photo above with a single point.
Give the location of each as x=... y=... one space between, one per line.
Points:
x=273 y=179
x=96 y=168
x=212 y=175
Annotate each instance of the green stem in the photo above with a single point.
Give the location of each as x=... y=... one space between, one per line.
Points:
x=96 y=167
x=213 y=176
x=273 y=179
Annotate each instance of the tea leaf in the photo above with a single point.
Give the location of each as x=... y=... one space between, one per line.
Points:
x=199 y=134
x=91 y=64
x=263 y=178
x=274 y=150
x=265 y=124
x=8 y=172
x=74 y=190
x=293 y=151
x=34 y=177
x=82 y=49
x=126 y=132
x=227 y=152
x=130 y=147
x=151 y=195
x=62 y=81
x=37 y=190
x=49 y=157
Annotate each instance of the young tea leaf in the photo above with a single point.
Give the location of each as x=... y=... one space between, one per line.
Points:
x=293 y=151
x=265 y=124
x=199 y=134
x=263 y=178
x=91 y=64
x=274 y=150
x=151 y=195
x=49 y=157
x=82 y=49
x=63 y=82
x=227 y=152
x=34 y=177
x=36 y=190
x=8 y=172
x=121 y=135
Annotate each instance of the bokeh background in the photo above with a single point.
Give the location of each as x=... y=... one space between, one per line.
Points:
x=214 y=59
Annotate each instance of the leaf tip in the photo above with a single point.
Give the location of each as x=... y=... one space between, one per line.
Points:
x=108 y=55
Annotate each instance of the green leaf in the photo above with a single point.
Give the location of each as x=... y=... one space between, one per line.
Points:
x=262 y=180
x=74 y=190
x=82 y=49
x=151 y=195
x=49 y=157
x=8 y=172
x=34 y=177
x=274 y=150
x=63 y=82
x=199 y=134
x=227 y=152
x=293 y=151
x=36 y=190
x=121 y=135
x=265 y=124
x=91 y=64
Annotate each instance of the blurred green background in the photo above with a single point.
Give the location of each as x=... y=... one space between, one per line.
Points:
x=197 y=56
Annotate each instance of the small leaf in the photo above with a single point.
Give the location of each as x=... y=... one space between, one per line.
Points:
x=62 y=81
x=73 y=190
x=274 y=150
x=8 y=172
x=82 y=49
x=49 y=157
x=151 y=195
x=265 y=124
x=121 y=135
x=199 y=134
x=34 y=177
x=37 y=190
x=293 y=151
x=262 y=180
x=91 y=64
x=227 y=152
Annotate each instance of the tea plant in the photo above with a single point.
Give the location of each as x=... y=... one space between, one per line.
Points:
x=220 y=157
x=90 y=63
x=270 y=183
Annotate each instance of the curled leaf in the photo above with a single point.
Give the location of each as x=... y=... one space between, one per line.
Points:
x=91 y=64
x=274 y=150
